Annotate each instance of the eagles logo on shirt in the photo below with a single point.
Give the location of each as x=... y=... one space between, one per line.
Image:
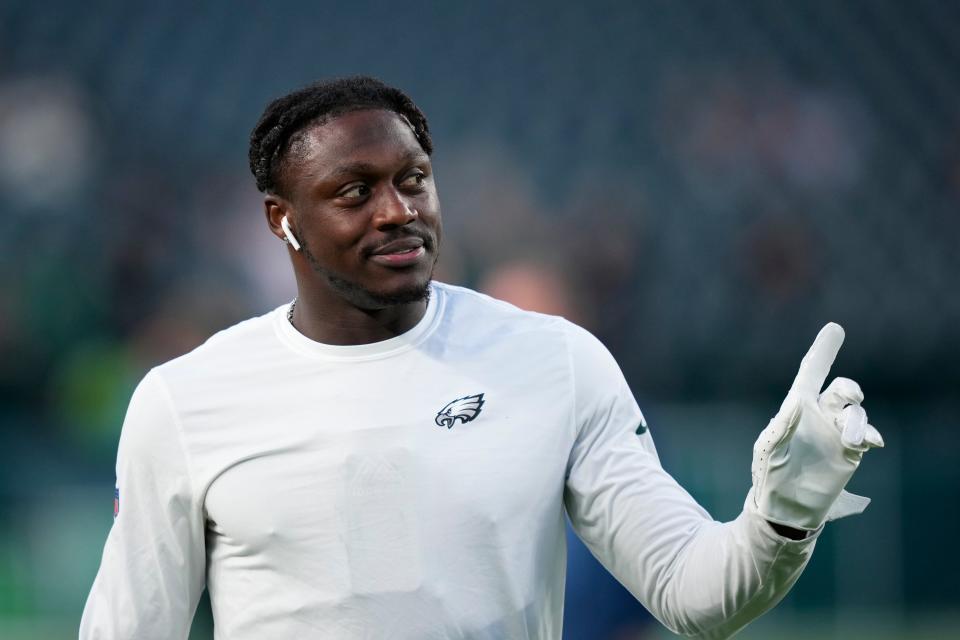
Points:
x=463 y=409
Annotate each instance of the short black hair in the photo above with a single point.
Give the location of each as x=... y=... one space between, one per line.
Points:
x=285 y=120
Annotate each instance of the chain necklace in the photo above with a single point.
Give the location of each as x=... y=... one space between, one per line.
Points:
x=293 y=305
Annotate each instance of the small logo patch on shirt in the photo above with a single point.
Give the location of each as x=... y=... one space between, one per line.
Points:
x=642 y=427
x=116 y=501
x=463 y=409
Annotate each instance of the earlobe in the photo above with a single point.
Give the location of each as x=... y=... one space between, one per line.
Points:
x=277 y=218
x=288 y=233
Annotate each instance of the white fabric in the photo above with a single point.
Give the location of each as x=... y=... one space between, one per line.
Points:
x=809 y=451
x=317 y=494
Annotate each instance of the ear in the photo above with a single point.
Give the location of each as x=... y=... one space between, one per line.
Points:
x=275 y=207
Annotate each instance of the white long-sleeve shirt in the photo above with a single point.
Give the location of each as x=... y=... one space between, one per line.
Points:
x=413 y=488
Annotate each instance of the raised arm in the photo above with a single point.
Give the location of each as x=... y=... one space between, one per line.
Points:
x=699 y=577
x=152 y=572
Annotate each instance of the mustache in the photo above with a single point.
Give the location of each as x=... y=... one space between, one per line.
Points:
x=429 y=240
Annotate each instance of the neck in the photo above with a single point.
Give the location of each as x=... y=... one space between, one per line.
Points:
x=345 y=324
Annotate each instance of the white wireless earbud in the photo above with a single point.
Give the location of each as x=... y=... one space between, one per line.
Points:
x=288 y=232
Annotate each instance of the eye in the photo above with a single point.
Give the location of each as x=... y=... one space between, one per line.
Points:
x=354 y=191
x=414 y=180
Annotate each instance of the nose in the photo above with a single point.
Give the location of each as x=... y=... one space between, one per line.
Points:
x=393 y=211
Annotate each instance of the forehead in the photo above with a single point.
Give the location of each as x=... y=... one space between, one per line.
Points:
x=371 y=136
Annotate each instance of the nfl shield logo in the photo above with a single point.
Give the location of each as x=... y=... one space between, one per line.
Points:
x=116 y=501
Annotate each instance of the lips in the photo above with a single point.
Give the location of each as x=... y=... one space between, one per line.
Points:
x=402 y=245
x=399 y=253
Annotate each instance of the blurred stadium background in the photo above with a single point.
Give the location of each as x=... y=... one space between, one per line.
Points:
x=701 y=184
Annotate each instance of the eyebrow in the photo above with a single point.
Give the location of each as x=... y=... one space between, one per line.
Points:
x=353 y=167
x=367 y=168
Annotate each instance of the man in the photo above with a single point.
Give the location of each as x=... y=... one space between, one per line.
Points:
x=391 y=457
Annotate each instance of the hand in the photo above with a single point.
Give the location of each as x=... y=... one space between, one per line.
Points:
x=808 y=452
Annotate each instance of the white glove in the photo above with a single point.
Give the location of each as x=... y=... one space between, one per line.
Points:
x=808 y=452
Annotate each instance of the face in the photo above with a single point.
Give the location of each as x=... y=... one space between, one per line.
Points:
x=360 y=197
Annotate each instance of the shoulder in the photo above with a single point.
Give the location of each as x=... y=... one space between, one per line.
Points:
x=477 y=317
x=471 y=308
x=230 y=350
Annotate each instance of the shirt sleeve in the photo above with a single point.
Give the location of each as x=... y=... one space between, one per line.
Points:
x=152 y=572
x=697 y=576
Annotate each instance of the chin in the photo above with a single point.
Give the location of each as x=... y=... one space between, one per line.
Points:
x=413 y=287
x=372 y=299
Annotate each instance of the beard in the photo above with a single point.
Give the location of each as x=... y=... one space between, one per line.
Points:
x=364 y=298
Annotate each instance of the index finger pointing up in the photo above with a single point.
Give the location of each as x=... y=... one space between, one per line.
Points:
x=815 y=366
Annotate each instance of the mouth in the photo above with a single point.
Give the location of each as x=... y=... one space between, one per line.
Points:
x=399 y=253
